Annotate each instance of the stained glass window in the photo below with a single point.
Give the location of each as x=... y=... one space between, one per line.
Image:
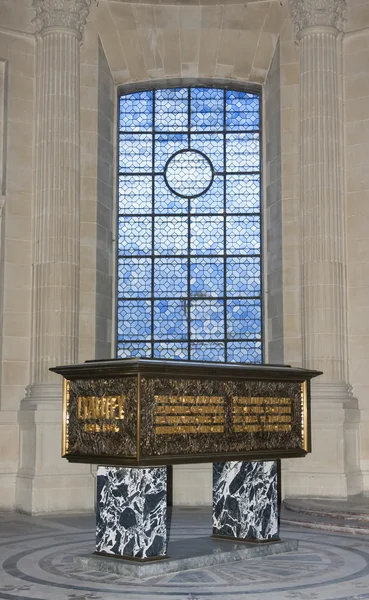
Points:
x=189 y=236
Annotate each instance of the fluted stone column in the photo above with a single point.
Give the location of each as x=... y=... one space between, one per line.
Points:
x=56 y=217
x=333 y=469
x=59 y=26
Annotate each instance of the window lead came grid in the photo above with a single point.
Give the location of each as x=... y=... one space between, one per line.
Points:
x=189 y=283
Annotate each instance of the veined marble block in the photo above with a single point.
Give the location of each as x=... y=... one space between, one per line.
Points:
x=245 y=500
x=131 y=512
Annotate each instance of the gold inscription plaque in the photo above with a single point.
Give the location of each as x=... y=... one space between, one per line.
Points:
x=258 y=414
x=110 y=408
x=96 y=427
x=205 y=414
x=95 y=408
x=189 y=414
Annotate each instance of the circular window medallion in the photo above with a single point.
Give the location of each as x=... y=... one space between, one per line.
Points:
x=189 y=173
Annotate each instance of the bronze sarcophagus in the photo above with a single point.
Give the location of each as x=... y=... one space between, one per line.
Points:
x=142 y=412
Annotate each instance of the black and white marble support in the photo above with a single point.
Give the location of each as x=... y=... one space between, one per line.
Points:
x=131 y=512
x=245 y=500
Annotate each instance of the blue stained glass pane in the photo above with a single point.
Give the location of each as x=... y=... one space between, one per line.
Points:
x=171 y=109
x=165 y=201
x=212 y=146
x=207 y=319
x=243 y=318
x=170 y=277
x=242 y=110
x=170 y=319
x=129 y=350
x=243 y=235
x=165 y=146
x=170 y=235
x=135 y=153
x=135 y=194
x=134 y=320
x=207 y=235
x=186 y=277
x=245 y=352
x=207 y=277
x=242 y=151
x=243 y=193
x=243 y=276
x=207 y=109
x=134 y=277
x=173 y=350
x=213 y=200
x=136 y=112
x=134 y=235
x=208 y=351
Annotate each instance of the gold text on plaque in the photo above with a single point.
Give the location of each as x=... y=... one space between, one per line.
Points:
x=106 y=408
x=189 y=414
x=260 y=414
x=96 y=427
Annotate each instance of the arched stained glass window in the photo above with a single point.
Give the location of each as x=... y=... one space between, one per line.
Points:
x=189 y=243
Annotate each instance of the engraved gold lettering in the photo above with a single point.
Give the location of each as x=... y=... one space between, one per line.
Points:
x=120 y=408
x=193 y=400
x=79 y=409
x=258 y=428
x=188 y=410
x=184 y=419
x=260 y=400
x=167 y=430
x=105 y=408
x=189 y=414
x=262 y=414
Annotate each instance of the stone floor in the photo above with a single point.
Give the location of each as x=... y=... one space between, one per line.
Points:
x=36 y=562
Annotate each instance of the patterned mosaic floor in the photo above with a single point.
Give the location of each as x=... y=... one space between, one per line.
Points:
x=36 y=562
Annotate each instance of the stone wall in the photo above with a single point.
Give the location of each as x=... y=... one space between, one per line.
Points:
x=98 y=136
x=273 y=214
x=356 y=114
x=17 y=62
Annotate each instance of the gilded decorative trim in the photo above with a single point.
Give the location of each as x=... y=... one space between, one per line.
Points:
x=304 y=417
x=65 y=423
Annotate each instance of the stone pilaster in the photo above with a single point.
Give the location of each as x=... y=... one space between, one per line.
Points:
x=333 y=467
x=59 y=26
x=56 y=217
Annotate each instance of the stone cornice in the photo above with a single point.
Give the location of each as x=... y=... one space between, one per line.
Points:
x=71 y=14
x=317 y=13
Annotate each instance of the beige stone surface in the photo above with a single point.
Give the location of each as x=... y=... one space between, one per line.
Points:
x=142 y=41
x=356 y=96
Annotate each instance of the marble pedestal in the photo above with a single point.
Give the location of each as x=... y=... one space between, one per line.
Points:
x=245 y=501
x=131 y=512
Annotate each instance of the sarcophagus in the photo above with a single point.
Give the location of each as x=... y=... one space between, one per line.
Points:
x=142 y=412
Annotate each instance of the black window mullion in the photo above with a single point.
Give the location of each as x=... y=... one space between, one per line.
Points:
x=188 y=301
x=225 y=226
x=153 y=227
x=185 y=132
x=189 y=117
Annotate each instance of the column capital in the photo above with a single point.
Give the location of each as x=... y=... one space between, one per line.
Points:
x=71 y=14
x=317 y=13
